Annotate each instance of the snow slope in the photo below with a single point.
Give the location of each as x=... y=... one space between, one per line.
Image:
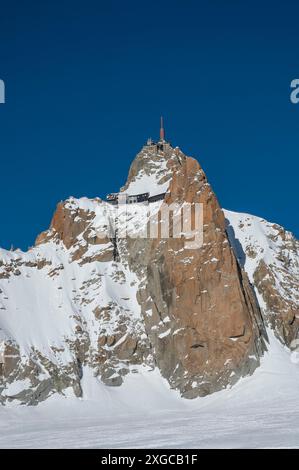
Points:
x=260 y=411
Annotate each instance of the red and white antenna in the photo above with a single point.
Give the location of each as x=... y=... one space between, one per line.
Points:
x=162 y=131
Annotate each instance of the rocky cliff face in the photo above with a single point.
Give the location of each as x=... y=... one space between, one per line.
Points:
x=87 y=299
x=198 y=308
x=270 y=256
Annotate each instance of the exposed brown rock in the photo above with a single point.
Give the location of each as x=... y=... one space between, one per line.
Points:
x=204 y=321
x=200 y=323
x=282 y=313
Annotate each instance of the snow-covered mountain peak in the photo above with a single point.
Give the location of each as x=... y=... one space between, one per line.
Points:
x=87 y=302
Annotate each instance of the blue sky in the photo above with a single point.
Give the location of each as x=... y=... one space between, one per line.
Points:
x=86 y=83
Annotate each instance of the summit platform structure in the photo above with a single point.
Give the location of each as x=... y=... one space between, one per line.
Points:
x=157 y=148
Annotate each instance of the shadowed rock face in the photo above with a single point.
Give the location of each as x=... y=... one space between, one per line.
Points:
x=111 y=304
x=270 y=255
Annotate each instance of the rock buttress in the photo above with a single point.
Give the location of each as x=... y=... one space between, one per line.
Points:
x=199 y=309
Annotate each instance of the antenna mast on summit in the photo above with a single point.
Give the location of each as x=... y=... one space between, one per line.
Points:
x=162 y=131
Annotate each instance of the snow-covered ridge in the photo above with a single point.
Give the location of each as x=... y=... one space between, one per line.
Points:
x=270 y=256
x=263 y=240
x=55 y=309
